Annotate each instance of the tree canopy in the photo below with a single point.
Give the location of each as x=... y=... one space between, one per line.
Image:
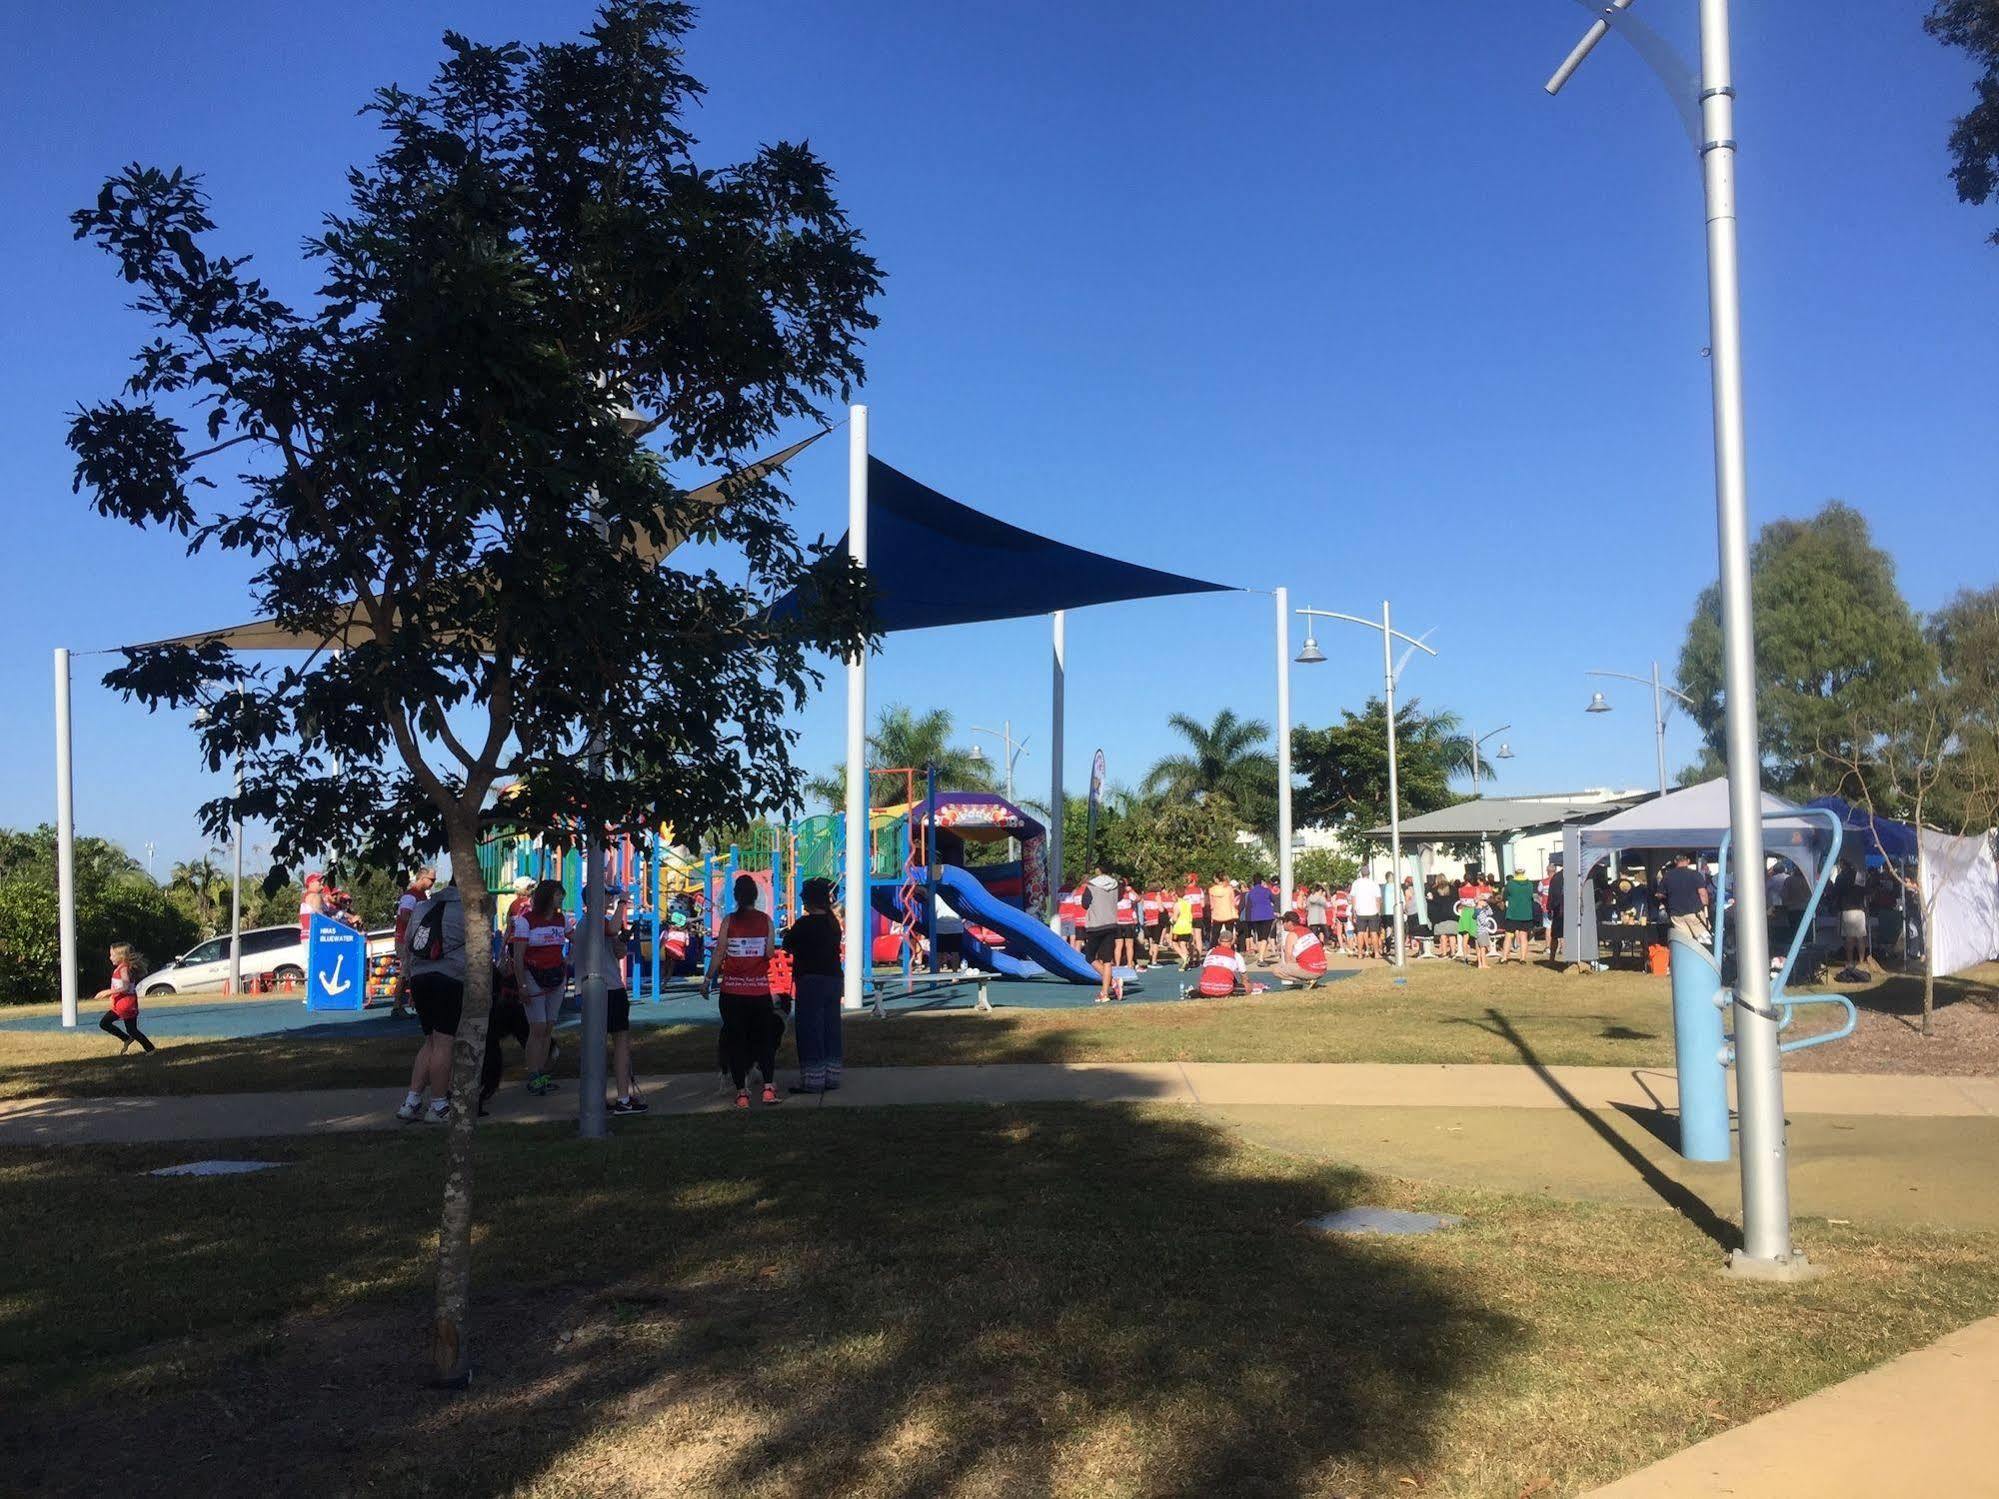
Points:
x=116 y=901
x=1836 y=645
x=1225 y=757
x=1973 y=25
x=1344 y=767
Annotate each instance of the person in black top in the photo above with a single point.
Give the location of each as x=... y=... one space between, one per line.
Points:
x=814 y=945
x=1686 y=900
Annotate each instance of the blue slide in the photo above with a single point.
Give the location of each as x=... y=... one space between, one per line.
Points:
x=1031 y=948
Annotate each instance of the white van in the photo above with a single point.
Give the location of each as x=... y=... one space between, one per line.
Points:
x=273 y=950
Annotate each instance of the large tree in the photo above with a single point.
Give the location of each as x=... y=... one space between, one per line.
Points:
x=116 y=901
x=1974 y=138
x=1225 y=757
x=453 y=466
x=1344 y=767
x=1836 y=645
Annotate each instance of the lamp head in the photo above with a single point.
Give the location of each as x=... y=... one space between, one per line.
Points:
x=1505 y=752
x=978 y=755
x=1310 y=654
x=1597 y=704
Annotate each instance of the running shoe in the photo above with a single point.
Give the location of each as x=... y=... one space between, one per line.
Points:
x=541 y=1083
x=439 y=1112
x=770 y=1094
x=628 y=1106
x=742 y=1098
x=409 y=1111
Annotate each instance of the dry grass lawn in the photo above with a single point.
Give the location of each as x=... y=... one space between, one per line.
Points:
x=1067 y=1301
x=1437 y=1013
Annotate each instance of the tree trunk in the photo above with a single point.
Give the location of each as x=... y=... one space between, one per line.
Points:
x=1929 y=975
x=451 y=1347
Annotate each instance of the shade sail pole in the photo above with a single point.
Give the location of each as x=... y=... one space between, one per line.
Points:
x=65 y=841
x=1283 y=749
x=860 y=941
x=1055 y=708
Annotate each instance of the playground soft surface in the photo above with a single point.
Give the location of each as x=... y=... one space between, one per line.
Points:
x=1062 y=1300
x=1438 y=1012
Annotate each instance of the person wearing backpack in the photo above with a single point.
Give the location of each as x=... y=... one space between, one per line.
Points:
x=432 y=953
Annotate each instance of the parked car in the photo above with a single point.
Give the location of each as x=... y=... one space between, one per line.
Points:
x=273 y=950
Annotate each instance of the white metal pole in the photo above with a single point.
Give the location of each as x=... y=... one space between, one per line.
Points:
x=1474 y=797
x=1659 y=727
x=1394 y=789
x=65 y=842
x=860 y=946
x=1283 y=749
x=1766 y=1203
x=1059 y=642
x=236 y=885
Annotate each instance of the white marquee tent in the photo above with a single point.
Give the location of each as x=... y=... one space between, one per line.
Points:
x=1693 y=818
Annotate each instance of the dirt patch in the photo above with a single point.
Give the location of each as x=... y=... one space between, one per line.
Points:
x=1963 y=1039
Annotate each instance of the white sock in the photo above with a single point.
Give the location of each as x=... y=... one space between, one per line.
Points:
x=412 y=1099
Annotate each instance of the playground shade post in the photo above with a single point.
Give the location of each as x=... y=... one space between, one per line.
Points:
x=1283 y=749
x=857 y=874
x=65 y=841
x=1055 y=809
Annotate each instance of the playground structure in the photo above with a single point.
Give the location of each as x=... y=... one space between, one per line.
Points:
x=918 y=843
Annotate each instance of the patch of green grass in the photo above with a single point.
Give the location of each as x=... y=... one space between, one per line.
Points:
x=1063 y=1300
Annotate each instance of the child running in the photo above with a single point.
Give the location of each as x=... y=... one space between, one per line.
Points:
x=123 y=997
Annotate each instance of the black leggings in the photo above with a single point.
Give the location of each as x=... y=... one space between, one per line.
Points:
x=751 y=1029
x=109 y=1024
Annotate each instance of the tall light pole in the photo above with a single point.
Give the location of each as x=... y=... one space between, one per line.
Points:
x=1767 y=1251
x=1283 y=749
x=1505 y=752
x=1598 y=703
x=201 y=716
x=1013 y=749
x=1310 y=654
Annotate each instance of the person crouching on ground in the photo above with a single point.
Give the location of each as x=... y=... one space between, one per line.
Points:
x=814 y=945
x=542 y=974
x=432 y=949
x=751 y=1026
x=1223 y=972
x=1304 y=956
x=122 y=1019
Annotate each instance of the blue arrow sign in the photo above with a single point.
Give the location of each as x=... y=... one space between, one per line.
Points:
x=336 y=966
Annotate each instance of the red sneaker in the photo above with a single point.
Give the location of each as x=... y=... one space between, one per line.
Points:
x=770 y=1094
x=742 y=1099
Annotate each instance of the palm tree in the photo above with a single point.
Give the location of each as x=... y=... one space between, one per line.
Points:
x=1224 y=758
x=906 y=739
x=201 y=879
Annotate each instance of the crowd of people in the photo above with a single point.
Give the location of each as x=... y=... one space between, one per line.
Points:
x=757 y=977
x=1228 y=924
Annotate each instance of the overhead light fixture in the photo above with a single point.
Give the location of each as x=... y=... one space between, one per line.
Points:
x=1505 y=752
x=1310 y=655
x=978 y=755
x=1597 y=704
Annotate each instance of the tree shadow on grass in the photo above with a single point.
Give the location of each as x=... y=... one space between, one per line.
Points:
x=901 y=1303
x=1680 y=1198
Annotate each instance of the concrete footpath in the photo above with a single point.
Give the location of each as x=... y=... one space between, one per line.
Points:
x=1922 y=1424
x=1218 y=1085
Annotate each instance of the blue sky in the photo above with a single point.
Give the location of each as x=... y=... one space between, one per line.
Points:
x=1328 y=296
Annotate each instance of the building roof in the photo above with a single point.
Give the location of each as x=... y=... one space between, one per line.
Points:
x=1491 y=816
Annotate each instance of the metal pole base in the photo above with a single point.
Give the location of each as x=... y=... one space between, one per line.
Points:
x=1790 y=1271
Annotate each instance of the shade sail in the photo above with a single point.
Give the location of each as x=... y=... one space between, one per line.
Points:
x=935 y=561
x=353 y=625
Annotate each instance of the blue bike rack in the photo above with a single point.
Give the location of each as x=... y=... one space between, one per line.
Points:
x=1702 y=1052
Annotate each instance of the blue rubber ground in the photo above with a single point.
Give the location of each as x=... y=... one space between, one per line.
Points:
x=228 y=1019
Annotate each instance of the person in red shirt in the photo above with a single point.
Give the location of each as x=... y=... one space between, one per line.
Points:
x=1222 y=972
x=751 y=1027
x=122 y=1019
x=538 y=943
x=1199 y=897
x=1304 y=955
x=1125 y=954
x=1069 y=912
